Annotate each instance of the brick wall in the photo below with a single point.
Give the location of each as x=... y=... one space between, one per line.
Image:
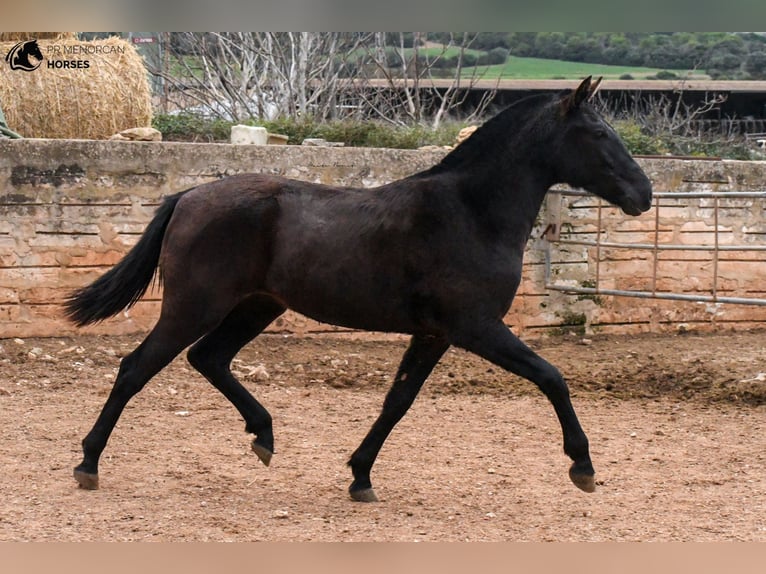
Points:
x=71 y=209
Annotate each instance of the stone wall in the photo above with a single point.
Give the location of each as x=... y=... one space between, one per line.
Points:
x=674 y=223
x=71 y=209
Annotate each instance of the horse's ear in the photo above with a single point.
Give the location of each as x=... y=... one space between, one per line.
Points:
x=594 y=88
x=573 y=100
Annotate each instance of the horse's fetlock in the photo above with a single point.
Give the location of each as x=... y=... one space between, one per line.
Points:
x=262 y=426
x=577 y=450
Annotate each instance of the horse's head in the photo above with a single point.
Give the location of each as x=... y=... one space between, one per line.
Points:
x=592 y=156
x=32 y=49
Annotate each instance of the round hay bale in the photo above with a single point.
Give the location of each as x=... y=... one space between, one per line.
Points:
x=21 y=36
x=80 y=90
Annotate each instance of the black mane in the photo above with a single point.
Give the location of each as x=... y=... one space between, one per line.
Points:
x=497 y=131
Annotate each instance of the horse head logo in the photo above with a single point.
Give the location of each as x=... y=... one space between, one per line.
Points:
x=18 y=56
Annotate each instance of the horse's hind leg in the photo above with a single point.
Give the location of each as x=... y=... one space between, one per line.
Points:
x=418 y=362
x=212 y=357
x=167 y=339
x=497 y=344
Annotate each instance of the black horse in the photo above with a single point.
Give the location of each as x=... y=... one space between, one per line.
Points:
x=18 y=56
x=436 y=255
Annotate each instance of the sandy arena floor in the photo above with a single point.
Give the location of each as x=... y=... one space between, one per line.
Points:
x=677 y=426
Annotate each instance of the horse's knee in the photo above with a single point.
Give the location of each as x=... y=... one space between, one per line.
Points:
x=202 y=360
x=126 y=381
x=552 y=383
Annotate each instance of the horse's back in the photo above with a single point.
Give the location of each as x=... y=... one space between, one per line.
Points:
x=269 y=233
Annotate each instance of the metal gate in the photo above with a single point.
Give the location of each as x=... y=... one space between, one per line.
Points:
x=554 y=238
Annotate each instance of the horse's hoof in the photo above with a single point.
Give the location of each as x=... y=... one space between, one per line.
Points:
x=86 y=480
x=583 y=481
x=363 y=495
x=263 y=453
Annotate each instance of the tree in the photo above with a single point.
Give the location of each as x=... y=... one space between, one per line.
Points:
x=324 y=75
x=550 y=45
x=398 y=84
x=724 y=61
x=247 y=75
x=671 y=119
x=617 y=50
x=755 y=65
x=580 y=48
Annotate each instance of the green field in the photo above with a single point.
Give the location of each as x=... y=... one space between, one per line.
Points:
x=516 y=68
x=539 y=69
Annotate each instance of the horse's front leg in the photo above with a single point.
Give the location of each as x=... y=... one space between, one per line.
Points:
x=496 y=343
x=418 y=362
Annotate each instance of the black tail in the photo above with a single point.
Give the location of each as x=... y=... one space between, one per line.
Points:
x=125 y=283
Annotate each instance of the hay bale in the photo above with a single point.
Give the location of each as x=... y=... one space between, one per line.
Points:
x=81 y=90
x=21 y=36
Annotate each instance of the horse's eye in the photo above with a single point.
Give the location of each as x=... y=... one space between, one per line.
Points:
x=599 y=133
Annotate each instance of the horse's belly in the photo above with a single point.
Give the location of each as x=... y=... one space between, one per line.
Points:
x=359 y=296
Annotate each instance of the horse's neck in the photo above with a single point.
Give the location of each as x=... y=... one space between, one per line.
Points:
x=516 y=175
x=504 y=171
x=505 y=200
x=512 y=167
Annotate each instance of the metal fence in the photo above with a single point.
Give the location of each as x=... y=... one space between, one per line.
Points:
x=553 y=239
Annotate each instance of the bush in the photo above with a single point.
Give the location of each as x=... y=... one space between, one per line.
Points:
x=666 y=75
x=359 y=133
x=354 y=133
x=470 y=60
x=637 y=141
x=640 y=143
x=713 y=148
x=497 y=56
x=295 y=130
x=191 y=127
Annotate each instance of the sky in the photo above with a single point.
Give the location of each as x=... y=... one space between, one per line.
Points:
x=391 y=15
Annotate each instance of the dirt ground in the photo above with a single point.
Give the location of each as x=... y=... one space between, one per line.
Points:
x=677 y=426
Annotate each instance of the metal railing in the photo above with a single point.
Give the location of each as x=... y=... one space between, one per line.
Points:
x=552 y=235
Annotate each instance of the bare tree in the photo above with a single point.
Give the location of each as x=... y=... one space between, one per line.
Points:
x=666 y=115
x=245 y=75
x=324 y=75
x=402 y=84
x=663 y=114
x=681 y=125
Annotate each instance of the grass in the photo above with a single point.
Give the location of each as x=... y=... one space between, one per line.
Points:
x=540 y=69
x=448 y=52
x=518 y=68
